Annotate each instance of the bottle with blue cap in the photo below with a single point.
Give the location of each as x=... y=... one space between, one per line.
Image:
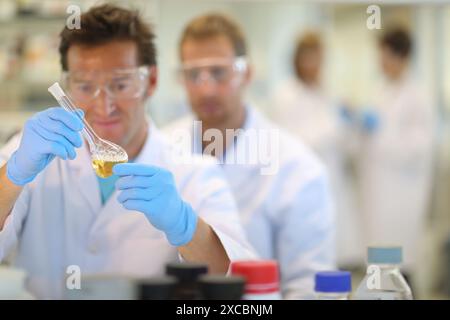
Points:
x=383 y=280
x=333 y=285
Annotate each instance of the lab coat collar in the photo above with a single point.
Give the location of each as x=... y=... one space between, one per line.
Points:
x=253 y=120
x=197 y=134
x=153 y=151
x=83 y=177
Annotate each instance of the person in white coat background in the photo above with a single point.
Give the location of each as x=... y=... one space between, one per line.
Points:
x=397 y=154
x=55 y=212
x=302 y=106
x=281 y=187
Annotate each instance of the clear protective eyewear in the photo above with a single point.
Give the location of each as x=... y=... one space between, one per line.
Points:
x=118 y=84
x=215 y=70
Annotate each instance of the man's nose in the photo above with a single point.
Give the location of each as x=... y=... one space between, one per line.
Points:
x=104 y=105
x=206 y=85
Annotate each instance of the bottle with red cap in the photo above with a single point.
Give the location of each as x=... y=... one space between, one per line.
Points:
x=261 y=279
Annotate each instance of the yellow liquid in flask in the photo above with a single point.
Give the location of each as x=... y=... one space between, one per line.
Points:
x=103 y=168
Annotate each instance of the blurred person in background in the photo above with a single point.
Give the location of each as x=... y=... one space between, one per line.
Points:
x=302 y=106
x=396 y=153
x=287 y=214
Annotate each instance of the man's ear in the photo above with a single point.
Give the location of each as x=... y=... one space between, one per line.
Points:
x=152 y=80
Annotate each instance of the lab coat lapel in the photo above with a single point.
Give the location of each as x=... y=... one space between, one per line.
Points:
x=153 y=151
x=240 y=150
x=240 y=171
x=83 y=177
x=112 y=208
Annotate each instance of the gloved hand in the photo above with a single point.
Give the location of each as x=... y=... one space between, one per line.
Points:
x=152 y=191
x=52 y=132
x=370 y=121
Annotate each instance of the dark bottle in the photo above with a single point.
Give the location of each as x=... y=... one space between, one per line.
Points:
x=158 y=288
x=219 y=287
x=187 y=274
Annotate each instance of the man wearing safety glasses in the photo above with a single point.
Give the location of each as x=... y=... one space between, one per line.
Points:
x=57 y=213
x=287 y=213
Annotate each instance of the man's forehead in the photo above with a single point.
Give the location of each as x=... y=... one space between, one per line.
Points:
x=219 y=46
x=103 y=57
x=209 y=62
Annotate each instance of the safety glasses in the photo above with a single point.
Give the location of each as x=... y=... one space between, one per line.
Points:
x=118 y=84
x=217 y=71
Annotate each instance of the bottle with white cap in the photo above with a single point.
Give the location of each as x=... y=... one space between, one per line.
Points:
x=333 y=285
x=261 y=279
x=383 y=280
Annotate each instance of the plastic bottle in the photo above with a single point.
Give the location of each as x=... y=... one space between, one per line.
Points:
x=333 y=285
x=262 y=279
x=384 y=280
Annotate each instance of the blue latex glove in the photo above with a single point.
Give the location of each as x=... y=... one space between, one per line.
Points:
x=52 y=132
x=152 y=191
x=370 y=121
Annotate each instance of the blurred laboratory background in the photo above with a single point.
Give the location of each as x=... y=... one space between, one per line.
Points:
x=350 y=72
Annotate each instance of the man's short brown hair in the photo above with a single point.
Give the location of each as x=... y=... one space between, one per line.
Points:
x=106 y=23
x=398 y=40
x=213 y=25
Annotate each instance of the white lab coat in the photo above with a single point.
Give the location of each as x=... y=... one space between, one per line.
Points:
x=288 y=216
x=59 y=221
x=310 y=115
x=396 y=168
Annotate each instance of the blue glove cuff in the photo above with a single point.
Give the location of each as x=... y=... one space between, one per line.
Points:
x=184 y=231
x=11 y=168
